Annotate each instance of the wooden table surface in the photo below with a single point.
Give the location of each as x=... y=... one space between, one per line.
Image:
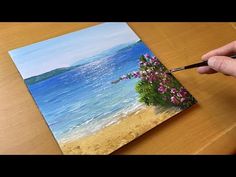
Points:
x=207 y=128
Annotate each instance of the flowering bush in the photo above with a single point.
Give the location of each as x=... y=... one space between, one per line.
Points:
x=156 y=87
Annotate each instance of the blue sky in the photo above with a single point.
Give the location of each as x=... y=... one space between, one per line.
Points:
x=65 y=50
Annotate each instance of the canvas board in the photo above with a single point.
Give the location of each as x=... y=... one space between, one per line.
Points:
x=99 y=88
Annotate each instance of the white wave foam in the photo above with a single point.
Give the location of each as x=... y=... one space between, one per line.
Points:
x=94 y=125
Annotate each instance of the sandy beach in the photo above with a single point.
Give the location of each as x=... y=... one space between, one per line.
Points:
x=118 y=134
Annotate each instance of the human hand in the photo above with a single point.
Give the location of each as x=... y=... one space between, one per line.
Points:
x=219 y=62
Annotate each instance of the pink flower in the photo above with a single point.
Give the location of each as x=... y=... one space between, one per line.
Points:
x=162 y=89
x=182 y=100
x=183 y=92
x=173 y=90
x=147 y=56
x=124 y=77
x=141 y=63
x=154 y=58
x=164 y=75
x=151 y=77
x=156 y=63
x=164 y=81
x=174 y=100
x=136 y=74
x=179 y=95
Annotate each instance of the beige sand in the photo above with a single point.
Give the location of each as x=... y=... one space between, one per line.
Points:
x=116 y=135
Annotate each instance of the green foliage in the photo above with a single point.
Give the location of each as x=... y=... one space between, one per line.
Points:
x=149 y=93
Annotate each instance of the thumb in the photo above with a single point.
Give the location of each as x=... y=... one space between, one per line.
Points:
x=225 y=65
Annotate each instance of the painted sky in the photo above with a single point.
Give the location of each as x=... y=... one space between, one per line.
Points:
x=65 y=50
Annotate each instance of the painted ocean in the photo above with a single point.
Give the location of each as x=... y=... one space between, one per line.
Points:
x=99 y=88
x=82 y=100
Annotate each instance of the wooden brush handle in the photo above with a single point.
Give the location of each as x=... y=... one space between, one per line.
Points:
x=204 y=63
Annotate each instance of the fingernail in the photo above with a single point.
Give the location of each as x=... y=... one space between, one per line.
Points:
x=211 y=61
x=204 y=57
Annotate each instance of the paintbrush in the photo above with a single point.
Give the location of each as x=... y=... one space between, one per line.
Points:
x=195 y=65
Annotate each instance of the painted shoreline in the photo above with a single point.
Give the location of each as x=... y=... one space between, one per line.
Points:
x=118 y=134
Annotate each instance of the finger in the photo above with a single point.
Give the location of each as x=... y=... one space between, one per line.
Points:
x=205 y=70
x=226 y=50
x=225 y=65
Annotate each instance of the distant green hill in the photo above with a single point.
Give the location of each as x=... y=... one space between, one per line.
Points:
x=44 y=76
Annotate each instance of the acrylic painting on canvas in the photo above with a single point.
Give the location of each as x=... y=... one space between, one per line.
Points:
x=99 y=88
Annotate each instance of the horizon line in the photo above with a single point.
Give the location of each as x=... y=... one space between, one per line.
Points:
x=85 y=58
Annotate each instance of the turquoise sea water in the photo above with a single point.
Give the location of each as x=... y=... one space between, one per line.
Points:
x=83 y=100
